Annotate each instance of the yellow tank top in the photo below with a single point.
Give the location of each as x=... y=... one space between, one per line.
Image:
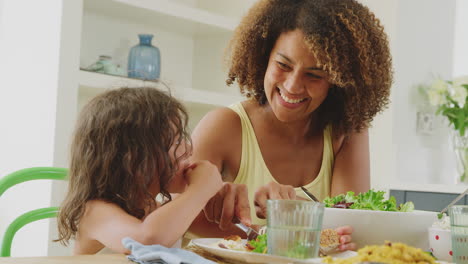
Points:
x=254 y=173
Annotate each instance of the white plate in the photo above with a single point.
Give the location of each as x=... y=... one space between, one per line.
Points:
x=251 y=257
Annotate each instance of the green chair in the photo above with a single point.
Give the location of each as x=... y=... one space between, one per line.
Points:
x=37 y=173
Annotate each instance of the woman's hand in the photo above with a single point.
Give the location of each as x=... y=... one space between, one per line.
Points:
x=345 y=238
x=272 y=190
x=230 y=204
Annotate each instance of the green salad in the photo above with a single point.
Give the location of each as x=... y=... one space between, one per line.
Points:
x=259 y=245
x=371 y=200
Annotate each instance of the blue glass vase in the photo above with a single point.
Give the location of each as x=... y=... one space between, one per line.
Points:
x=144 y=59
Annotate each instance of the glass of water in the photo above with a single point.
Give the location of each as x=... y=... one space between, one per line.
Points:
x=294 y=228
x=459 y=228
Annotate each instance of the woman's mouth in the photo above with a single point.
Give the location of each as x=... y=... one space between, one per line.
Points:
x=289 y=100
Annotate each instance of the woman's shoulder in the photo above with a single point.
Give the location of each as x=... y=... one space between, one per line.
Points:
x=222 y=121
x=217 y=138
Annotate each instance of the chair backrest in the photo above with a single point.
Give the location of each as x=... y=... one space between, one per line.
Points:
x=36 y=173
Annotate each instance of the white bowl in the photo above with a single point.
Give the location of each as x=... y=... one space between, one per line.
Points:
x=440 y=243
x=375 y=227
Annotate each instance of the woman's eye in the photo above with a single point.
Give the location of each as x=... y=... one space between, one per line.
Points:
x=283 y=66
x=314 y=76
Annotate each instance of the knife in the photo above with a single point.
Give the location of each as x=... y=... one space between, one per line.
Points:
x=251 y=233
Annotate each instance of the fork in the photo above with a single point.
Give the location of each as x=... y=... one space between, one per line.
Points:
x=310 y=195
x=452 y=203
x=251 y=233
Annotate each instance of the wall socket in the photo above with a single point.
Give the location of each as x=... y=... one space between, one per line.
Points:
x=425 y=123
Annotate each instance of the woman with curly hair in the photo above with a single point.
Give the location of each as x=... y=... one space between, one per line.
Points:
x=315 y=73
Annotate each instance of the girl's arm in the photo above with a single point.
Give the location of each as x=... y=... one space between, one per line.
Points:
x=107 y=223
x=351 y=171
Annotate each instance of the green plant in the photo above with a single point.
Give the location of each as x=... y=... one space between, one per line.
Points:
x=450 y=99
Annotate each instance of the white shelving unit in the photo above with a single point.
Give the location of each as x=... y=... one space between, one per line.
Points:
x=92 y=83
x=191 y=40
x=167 y=14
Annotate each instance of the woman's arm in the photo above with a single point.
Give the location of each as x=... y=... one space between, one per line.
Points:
x=218 y=138
x=351 y=171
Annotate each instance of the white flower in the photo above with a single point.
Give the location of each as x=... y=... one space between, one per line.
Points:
x=439 y=86
x=436 y=98
x=459 y=95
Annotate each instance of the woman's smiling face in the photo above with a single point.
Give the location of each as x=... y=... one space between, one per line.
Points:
x=294 y=85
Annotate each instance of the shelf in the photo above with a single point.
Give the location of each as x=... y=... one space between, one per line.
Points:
x=92 y=83
x=164 y=14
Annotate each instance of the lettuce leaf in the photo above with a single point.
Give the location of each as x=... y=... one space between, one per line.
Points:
x=259 y=244
x=370 y=200
x=407 y=207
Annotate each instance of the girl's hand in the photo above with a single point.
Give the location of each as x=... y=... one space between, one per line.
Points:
x=272 y=190
x=345 y=238
x=203 y=177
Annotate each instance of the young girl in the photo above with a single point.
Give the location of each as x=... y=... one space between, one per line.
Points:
x=130 y=145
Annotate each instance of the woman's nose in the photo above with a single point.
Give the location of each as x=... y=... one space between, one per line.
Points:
x=294 y=83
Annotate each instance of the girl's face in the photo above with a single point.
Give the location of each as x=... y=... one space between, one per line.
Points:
x=294 y=85
x=178 y=182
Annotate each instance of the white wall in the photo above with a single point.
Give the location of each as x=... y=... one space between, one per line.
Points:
x=424 y=49
x=29 y=52
x=428 y=38
x=460 y=55
x=381 y=143
x=67 y=103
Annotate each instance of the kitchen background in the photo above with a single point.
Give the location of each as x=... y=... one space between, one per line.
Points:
x=43 y=45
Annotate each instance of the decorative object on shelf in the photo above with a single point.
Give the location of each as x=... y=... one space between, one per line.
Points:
x=105 y=65
x=144 y=60
x=451 y=100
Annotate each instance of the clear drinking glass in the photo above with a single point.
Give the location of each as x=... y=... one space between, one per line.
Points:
x=294 y=228
x=459 y=228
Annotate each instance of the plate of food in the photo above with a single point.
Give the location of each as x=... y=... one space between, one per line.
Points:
x=255 y=251
x=238 y=250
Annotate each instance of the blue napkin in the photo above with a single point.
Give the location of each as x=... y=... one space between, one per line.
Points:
x=157 y=254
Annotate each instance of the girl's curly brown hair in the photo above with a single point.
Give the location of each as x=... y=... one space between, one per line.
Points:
x=345 y=37
x=121 y=143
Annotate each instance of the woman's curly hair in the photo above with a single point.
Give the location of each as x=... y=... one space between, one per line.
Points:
x=345 y=37
x=121 y=143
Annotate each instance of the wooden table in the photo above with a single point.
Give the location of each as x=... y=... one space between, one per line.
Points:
x=83 y=259
x=96 y=259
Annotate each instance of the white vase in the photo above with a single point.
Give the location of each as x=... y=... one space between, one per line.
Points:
x=460 y=146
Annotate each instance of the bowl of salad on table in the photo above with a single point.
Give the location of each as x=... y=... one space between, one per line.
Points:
x=376 y=219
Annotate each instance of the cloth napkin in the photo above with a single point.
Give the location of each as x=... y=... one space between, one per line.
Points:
x=157 y=254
